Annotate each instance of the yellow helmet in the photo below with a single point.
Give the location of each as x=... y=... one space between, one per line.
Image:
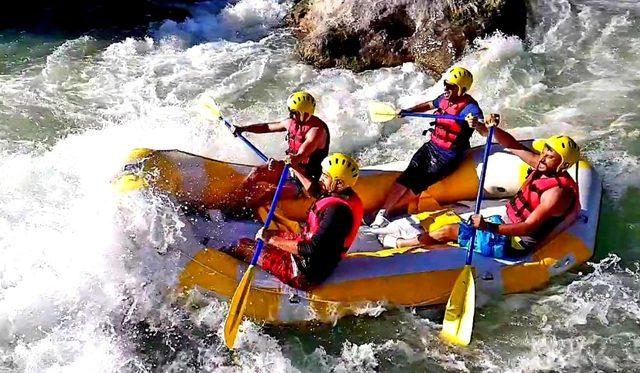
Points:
x=302 y=103
x=563 y=145
x=341 y=167
x=460 y=77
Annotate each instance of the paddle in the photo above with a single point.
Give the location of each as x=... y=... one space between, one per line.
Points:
x=458 y=318
x=380 y=112
x=208 y=103
x=241 y=295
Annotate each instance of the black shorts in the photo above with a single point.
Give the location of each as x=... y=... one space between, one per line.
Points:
x=428 y=166
x=294 y=181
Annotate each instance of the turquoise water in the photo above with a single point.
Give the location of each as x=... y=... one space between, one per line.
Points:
x=77 y=295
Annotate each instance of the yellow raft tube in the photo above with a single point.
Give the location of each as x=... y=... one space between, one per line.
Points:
x=368 y=275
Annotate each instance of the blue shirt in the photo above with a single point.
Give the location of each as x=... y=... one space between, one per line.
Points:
x=472 y=109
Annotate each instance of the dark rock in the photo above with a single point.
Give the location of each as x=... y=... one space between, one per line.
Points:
x=361 y=34
x=86 y=15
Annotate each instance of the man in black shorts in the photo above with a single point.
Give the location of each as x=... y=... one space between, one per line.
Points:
x=444 y=152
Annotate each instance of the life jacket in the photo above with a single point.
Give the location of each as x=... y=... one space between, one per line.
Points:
x=528 y=197
x=296 y=135
x=354 y=204
x=449 y=134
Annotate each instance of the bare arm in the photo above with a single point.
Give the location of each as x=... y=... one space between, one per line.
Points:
x=425 y=106
x=507 y=140
x=264 y=127
x=306 y=182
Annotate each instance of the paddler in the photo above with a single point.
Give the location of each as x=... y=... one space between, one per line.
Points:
x=546 y=204
x=305 y=260
x=440 y=156
x=307 y=145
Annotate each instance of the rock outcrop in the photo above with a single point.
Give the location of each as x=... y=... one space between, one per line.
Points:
x=369 y=34
x=80 y=16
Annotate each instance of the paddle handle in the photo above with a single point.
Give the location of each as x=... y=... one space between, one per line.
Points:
x=247 y=142
x=272 y=212
x=483 y=174
x=435 y=116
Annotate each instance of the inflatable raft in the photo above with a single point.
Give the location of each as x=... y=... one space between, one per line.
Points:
x=369 y=275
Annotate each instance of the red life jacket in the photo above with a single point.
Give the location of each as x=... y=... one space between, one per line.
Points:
x=449 y=134
x=528 y=197
x=354 y=204
x=296 y=135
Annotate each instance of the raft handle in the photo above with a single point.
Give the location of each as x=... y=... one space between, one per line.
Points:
x=487 y=276
x=564 y=262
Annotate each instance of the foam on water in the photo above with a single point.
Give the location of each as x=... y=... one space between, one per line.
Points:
x=82 y=286
x=239 y=21
x=589 y=325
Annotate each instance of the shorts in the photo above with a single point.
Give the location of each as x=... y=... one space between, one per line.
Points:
x=294 y=182
x=490 y=244
x=284 y=266
x=428 y=165
x=281 y=264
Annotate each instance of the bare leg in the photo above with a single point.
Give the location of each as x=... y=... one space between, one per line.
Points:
x=403 y=201
x=245 y=249
x=242 y=250
x=395 y=194
x=259 y=185
x=398 y=196
x=273 y=260
x=289 y=191
x=448 y=233
x=408 y=242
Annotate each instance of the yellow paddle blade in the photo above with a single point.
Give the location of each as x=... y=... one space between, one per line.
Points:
x=458 y=318
x=128 y=183
x=380 y=112
x=209 y=108
x=236 y=309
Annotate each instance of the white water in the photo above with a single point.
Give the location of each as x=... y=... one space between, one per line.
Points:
x=77 y=293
